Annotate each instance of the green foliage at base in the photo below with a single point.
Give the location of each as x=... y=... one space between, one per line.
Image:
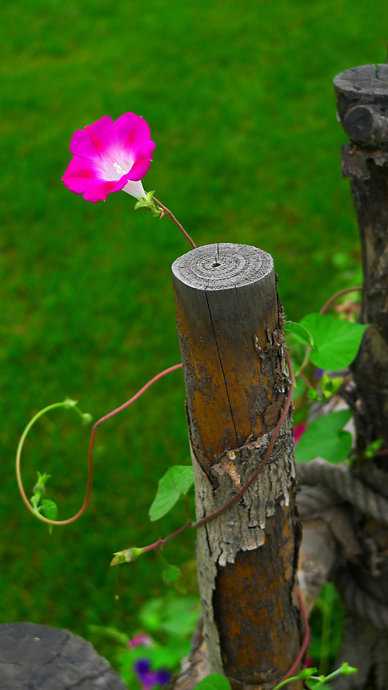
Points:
x=169 y=623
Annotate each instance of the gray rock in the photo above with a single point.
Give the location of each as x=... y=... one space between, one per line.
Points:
x=37 y=657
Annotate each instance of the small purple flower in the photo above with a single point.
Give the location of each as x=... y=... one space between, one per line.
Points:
x=162 y=677
x=150 y=679
x=142 y=666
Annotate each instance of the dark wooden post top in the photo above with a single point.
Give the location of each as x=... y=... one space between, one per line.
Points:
x=227 y=314
x=362 y=104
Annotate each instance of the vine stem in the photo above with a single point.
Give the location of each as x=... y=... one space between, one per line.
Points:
x=90 y=462
x=336 y=295
x=166 y=211
x=306 y=636
x=305 y=362
x=65 y=404
x=265 y=460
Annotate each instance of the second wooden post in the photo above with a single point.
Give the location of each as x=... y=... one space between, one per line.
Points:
x=230 y=330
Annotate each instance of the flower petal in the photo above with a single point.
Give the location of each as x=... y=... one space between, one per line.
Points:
x=163 y=677
x=142 y=666
x=78 y=175
x=134 y=139
x=93 y=140
x=98 y=191
x=135 y=189
x=81 y=177
x=131 y=129
x=141 y=165
x=298 y=431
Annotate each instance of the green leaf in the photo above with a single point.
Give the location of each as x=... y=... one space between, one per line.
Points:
x=307 y=672
x=324 y=438
x=328 y=615
x=110 y=633
x=35 y=501
x=151 y=614
x=300 y=332
x=174 y=484
x=347 y=670
x=313 y=394
x=180 y=616
x=373 y=448
x=49 y=509
x=41 y=481
x=213 y=682
x=336 y=342
x=330 y=386
x=172 y=615
x=171 y=574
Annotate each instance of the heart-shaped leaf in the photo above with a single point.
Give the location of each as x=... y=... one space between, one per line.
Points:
x=174 y=484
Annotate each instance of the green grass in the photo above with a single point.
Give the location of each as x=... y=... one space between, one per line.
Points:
x=240 y=101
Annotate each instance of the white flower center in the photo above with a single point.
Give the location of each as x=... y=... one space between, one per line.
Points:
x=114 y=164
x=119 y=169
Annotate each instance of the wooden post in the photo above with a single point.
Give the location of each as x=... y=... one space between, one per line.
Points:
x=362 y=104
x=362 y=101
x=230 y=331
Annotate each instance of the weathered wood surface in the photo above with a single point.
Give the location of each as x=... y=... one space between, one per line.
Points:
x=362 y=104
x=230 y=330
x=37 y=657
x=368 y=172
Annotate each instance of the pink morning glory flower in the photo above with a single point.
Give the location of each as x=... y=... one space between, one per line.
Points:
x=109 y=156
x=140 y=640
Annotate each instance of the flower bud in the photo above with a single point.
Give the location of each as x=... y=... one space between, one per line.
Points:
x=126 y=556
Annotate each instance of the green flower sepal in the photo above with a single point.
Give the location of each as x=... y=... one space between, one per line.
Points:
x=149 y=202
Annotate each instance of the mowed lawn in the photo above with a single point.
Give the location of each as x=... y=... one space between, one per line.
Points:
x=239 y=98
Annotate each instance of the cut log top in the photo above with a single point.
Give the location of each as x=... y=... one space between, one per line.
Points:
x=231 y=342
x=222 y=266
x=37 y=657
x=362 y=104
x=367 y=80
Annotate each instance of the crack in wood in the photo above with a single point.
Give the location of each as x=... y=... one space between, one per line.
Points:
x=221 y=365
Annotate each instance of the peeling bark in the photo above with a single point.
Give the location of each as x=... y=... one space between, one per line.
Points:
x=230 y=331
